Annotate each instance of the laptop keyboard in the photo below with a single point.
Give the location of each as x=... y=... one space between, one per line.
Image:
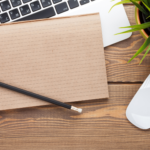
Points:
x=18 y=10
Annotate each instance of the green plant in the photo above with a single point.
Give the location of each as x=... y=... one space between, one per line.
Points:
x=145 y=9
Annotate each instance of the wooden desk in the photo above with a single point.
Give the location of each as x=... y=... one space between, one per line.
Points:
x=103 y=124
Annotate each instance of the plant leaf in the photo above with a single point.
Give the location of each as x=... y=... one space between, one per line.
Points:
x=140 y=7
x=128 y=31
x=148 y=17
x=148 y=8
x=122 y=2
x=139 y=26
x=141 y=49
x=147 y=2
x=148 y=49
x=135 y=27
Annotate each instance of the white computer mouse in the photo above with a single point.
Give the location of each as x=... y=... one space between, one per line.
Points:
x=138 y=111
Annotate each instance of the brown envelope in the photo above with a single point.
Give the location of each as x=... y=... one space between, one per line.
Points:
x=60 y=58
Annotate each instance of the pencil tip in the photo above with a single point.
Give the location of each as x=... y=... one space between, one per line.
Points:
x=76 y=109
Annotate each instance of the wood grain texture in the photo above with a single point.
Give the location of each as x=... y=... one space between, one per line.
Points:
x=102 y=125
x=117 y=56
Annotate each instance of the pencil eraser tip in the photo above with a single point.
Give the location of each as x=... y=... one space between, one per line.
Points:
x=79 y=110
x=76 y=109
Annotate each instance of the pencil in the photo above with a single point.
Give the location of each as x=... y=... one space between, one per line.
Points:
x=28 y=93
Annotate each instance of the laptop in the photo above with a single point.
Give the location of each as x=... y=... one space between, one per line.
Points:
x=21 y=10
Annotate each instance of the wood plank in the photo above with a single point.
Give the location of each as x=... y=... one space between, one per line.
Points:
x=103 y=125
x=117 y=56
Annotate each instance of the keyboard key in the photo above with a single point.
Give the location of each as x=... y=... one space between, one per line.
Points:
x=14 y=14
x=56 y=1
x=73 y=4
x=15 y=3
x=46 y=3
x=60 y=8
x=25 y=10
x=82 y=2
x=4 y=18
x=26 y=1
x=35 y=6
x=46 y=13
x=5 y=5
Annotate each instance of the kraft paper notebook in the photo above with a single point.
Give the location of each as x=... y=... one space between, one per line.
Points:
x=60 y=58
